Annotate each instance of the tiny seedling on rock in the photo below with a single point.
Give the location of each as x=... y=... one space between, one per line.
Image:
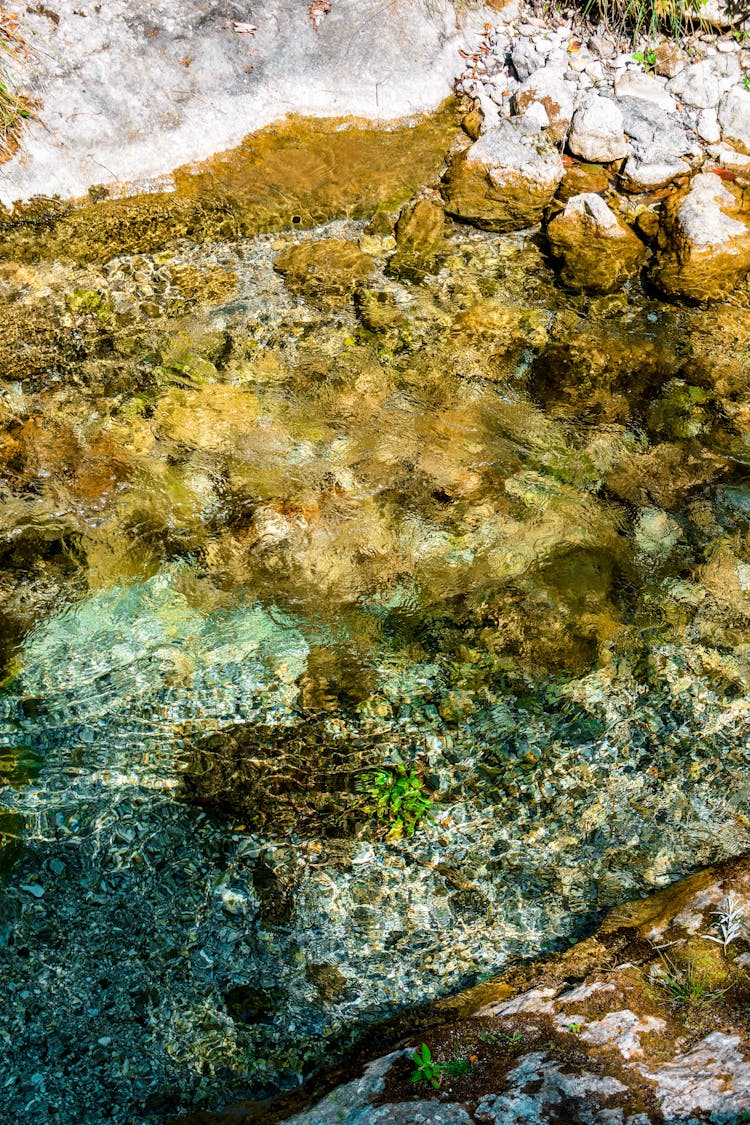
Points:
x=425 y=1069
x=501 y=1038
x=456 y=1066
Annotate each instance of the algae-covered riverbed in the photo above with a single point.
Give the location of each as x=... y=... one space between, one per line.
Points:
x=286 y=509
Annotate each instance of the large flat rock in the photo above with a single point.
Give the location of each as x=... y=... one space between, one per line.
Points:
x=129 y=90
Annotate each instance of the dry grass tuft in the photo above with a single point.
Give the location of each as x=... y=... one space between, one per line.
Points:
x=15 y=108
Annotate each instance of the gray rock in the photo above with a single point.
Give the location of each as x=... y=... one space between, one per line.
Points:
x=596 y=131
x=548 y=88
x=346 y=1103
x=702 y=84
x=525 y=59
x=646 y=88
x=641 y=175
x=734 y=119
x=119 y=103
x=708 y=126
x=659 y=143
x=539 y=1091
x=691 y=1082
x=654 y=134
x=412 y=1113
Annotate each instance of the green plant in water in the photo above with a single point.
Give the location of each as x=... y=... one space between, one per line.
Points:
x=397 y=798
x=425 y=1069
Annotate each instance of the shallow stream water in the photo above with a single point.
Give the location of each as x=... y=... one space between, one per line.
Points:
x=265 y=536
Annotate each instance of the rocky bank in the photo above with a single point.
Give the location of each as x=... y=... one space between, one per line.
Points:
x=644 y=1023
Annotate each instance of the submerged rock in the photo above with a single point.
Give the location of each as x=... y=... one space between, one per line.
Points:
x=597 y=250
x=704 y=241
x=419 y=240
x=329 y=268
x=506 y=179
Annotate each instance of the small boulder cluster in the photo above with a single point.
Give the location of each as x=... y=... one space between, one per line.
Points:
x=631 y=160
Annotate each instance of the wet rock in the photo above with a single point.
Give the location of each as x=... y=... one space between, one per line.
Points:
x=419 y=240
x=665 y=476
x=330 y=268
x=602 y=370
x=247 y=1004
x=681 y=411
x=471 y=123
x=596 y=131
x=734 y=118
x=328 y=980
x=704 y=241
x=598 y=251
x=581 y=178
x=506 y=179
x=377 y=309
x=547 y=87
x=490 y=324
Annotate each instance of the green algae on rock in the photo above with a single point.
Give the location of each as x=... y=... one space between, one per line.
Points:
x=419 y=240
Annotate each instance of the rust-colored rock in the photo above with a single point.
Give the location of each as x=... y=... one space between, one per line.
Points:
x=506 y=179
x=704 y=240
x=597 y=251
